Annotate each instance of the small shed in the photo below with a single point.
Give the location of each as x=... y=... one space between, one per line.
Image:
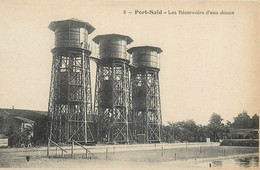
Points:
x=19 y=125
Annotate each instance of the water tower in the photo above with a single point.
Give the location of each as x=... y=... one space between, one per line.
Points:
x=112 y=89
x=146 y=104
x=70 y=101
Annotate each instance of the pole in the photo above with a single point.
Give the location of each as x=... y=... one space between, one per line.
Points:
x=86 y=154
x=113 y=149
x=84 y=99
x=175 y=156
x=127 y=107
x=200 y=149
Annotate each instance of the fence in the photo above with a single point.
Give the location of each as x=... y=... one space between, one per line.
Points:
x=157 y=152
x=87 y=152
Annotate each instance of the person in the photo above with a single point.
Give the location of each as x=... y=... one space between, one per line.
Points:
x=29 y=140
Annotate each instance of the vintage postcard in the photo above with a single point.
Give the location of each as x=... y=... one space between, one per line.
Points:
x=129 y=84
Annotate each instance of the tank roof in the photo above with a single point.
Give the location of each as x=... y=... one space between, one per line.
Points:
x=80 y=24
x=157 y=49
x=112 y=36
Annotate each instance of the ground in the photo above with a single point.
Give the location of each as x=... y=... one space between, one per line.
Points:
x=144 y=156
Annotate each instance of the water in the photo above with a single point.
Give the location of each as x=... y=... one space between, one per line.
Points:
x=243 y=162
x=246 y=162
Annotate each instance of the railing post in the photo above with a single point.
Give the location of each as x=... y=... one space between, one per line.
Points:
x=72 y=145
x=106 y=153
x=48 y=148
x=56 y=151
x=57 y=146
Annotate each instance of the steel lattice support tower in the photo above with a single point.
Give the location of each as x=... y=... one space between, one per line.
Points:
x=146 y=106
x=70 y=101
x=112 y=89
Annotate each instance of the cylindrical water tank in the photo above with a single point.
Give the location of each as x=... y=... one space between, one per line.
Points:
x=113 y=46
x=71 y=33
x=64 y=92
x=145 y=56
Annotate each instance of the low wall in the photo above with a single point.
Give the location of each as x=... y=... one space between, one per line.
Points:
x=3 y=142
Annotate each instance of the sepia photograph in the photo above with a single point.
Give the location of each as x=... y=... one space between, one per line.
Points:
x=129 y=84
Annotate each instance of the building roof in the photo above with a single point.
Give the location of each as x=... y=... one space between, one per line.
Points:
x=157 y=49
x=23 y=119
x=3 y=136
x=28 y=114
x=242 y=131
x=75 y=22
x=98 y=38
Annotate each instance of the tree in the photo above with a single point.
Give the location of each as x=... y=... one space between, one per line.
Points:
x=215 y=128
x=174 y=131
x=215 y=119
x=228 y=124
x=242 y=121
x=227 y=127
x=201 y=133
x=1 y=124
x=190 y=130
x=184 y=131
x=167 y=135
x=255 y=122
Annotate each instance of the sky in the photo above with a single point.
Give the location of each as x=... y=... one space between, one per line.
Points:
x=209 y=63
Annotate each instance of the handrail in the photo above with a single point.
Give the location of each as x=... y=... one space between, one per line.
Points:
x=80 y=145
x=57 y=145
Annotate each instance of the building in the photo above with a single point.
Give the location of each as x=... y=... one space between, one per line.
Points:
x=243 y=134
x=16 y=121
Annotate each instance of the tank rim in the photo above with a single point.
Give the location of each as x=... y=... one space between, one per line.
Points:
x=157 y=49
x=98 y=38
x=80 y=24
x=75 y=49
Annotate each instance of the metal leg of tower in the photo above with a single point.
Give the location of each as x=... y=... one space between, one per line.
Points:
x=70 y=103
x=112 y=102
x=146 y=104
